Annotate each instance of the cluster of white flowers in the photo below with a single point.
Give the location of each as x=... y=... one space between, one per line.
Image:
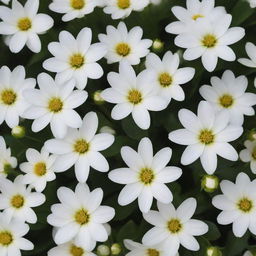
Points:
x=80 y=221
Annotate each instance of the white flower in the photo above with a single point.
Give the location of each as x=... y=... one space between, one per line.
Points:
x=11 y=237
x=228 y=95
x=210 y=41
x=250 y=50
x=195 y=9
x=238 y=204
x=207 y=135
x=23 y=25
x=53 y=103
x=248 y=253
x=80 y=216
x=145 y=176
x=38 y=170
x=252 y=3
x=16 y=200
x=70 y=249
x=168 y=76
x=133 y=94
x=249 y=154
x=174 y=227
x=81 y=148
x=123 y=8
x=124 y=44
x=75 y=58
x=7 y=161
x=137 y=249
x=73 y=8
x=12 y=103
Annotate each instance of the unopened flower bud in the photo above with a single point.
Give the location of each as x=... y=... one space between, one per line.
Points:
x=213 y=251
x=209 y=183
x=116 y=249
x=252 y=135
x=97 y=97
x=107 y=129
x=158 y=45
x=18 y=132
x=103 y=250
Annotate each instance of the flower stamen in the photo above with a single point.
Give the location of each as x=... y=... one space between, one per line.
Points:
x=123 y=49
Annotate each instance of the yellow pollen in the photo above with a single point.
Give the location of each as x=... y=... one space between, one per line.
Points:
x=17 y=201
x=226 y=101
x=76 y=251
x=146 y=176
x=40 y=169
x=245 y=205
x=196 y=16
x=206 y=137
x=5 y=238
x=174 y=226
x=55 y=105
x=76 y=61
x=134 y=96
x=24 y=24
x=8 y=97
x=77 y=4
x=209 y=41
x=123 y=4
x=81 y=146
x=165 y=79
x=82 y=217
x=123 y=49
x=152 y=252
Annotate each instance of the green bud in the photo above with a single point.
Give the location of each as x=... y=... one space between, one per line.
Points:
x=213 y=251
x=158 y=45
x=103 y=250
x=97 y=97
x=18 y=132
x=209 y=183
x=116 y=249
x=252 y=134
x=107 y=129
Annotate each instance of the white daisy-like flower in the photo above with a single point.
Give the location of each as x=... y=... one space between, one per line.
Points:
x=228 y=94
x=23 y=25
x=16 y=200
x=137 y=249
x=133 y=94
x=195 y=9
x=123 y=44
x=11 y=237
x=210 y=41
x=250 y=49
x=249 y=154
x=80 y=216
x=145 y=176
x=12 y=102
x=39 y=169
x=168 y=76
x=238 y=204
x=70 y=249
x=80 y=147
x=73 y=8
x=53 y=103
x=7 y=161
x=123 y=8
x=252 y=3
x=206 y=136
x=174 y=227
x=75 y=58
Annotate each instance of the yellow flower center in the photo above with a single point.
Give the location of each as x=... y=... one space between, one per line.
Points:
x=82 y=217
x=206 y=137
x=123 y=4
x=40 y=169
x=146 y=176
x=81 y=146
x=174 y=226
x=152 y=252
x=245 y=205
x=196 y=16
x=165 y=79
x=8 y=97
x=123 y=49
x=77 y=4
x=55 y=105
x=134 y=96
x=209 y=41
x=226 y=101
x=17 y=201
x=76 y=251
x=5 y=238
x=24 y=24
x=76 y=61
